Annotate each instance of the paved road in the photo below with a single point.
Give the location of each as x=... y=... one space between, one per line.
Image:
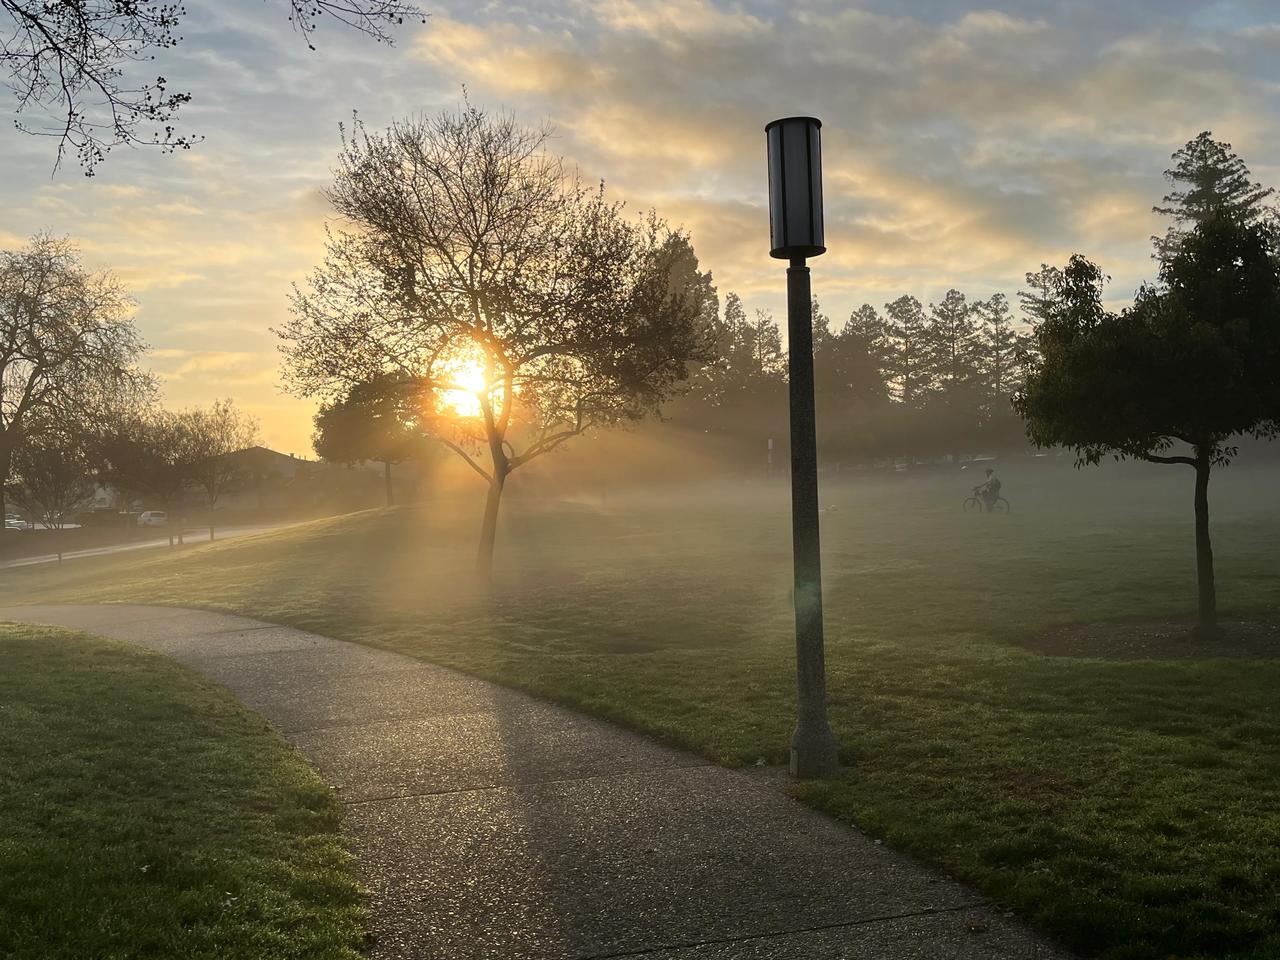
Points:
x=488 y=824
x=191 y=536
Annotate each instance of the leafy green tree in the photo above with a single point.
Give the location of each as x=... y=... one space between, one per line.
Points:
x=1190 y=365
x=153 y=456
x=368 y=424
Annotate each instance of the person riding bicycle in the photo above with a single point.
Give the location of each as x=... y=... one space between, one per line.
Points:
x=989 y=491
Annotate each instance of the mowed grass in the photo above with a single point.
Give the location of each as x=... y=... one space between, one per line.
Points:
x=1130 y=809
x=145 y=814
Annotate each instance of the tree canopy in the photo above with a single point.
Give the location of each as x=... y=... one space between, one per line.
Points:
x=368 y=423
x=1190 y=365
x=516 y=306
x=68 y=345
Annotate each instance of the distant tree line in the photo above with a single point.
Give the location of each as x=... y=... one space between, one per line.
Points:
x=908 y=380
x=76 y=410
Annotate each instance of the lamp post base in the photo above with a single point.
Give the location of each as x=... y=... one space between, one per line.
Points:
x=814 y=753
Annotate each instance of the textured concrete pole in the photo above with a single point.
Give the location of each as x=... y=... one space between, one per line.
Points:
x=814 y=752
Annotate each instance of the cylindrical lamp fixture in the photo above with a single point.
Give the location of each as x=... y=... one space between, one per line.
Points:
x=795 y=187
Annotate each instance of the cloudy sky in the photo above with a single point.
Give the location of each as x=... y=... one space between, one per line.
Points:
x=964 y=145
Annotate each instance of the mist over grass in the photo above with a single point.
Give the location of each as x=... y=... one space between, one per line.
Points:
x=1128 y=808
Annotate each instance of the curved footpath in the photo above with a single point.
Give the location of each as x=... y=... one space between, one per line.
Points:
x=488 y=824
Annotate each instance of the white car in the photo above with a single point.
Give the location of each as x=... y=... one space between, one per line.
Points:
x=14 y=522
x=153 y=518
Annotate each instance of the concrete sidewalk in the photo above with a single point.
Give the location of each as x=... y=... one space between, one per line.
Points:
x=491 y=825
x=190 y=538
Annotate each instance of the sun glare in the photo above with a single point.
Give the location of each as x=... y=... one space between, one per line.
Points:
x=465 y=384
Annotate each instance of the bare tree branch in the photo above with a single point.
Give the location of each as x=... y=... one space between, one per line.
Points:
x=71 y=65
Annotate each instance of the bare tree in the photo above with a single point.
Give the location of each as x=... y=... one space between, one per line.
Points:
x=67 y=342
x=213 y=435
x=513 y=306
x=70 y=63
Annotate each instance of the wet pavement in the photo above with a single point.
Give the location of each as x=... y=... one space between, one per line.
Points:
x=488 y=824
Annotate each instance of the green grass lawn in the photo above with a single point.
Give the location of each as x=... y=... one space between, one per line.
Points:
x=1131 y=809
x=145 y=814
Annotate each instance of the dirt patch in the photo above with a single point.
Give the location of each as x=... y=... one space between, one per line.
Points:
x=1173 y=639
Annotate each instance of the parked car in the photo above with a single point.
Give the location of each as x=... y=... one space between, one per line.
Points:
x=153 y=518
x=14 y=522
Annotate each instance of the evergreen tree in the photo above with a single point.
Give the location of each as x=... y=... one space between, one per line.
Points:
x=1037 y=302
x=868 y=328
x=1208 y=180
x=821 y=326
x=1000 y=351
x=766 y=345
x=906 y=330
x=951 y=346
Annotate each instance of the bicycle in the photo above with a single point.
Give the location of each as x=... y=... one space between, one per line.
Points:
x=975 y=504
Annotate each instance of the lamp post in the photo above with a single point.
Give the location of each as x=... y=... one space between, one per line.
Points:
x=795 y=232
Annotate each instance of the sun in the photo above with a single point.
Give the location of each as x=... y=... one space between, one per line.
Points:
x=463 y=382
x=463 y=395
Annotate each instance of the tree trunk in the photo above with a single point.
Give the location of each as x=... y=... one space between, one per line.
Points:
x=6 y=460
x=1207 y=615
x=489 y=529
x=386 y=479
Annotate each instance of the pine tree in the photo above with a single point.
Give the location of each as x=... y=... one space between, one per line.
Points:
x=950 y=345
x=849 y=366
x=867 y=327
x=1208 y=179
x=1043 y=292
x=766 y=345
x=1000 y=351
x=821 y=324
x=906 y=330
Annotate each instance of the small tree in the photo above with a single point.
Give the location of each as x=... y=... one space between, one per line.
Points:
x=367 y=424
x=476 y=271
x=1193 y=362
x=152 y=455
x=53 y=473
x=212 y=436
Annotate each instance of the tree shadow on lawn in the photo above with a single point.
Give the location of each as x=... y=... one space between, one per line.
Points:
x=1144 y=638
